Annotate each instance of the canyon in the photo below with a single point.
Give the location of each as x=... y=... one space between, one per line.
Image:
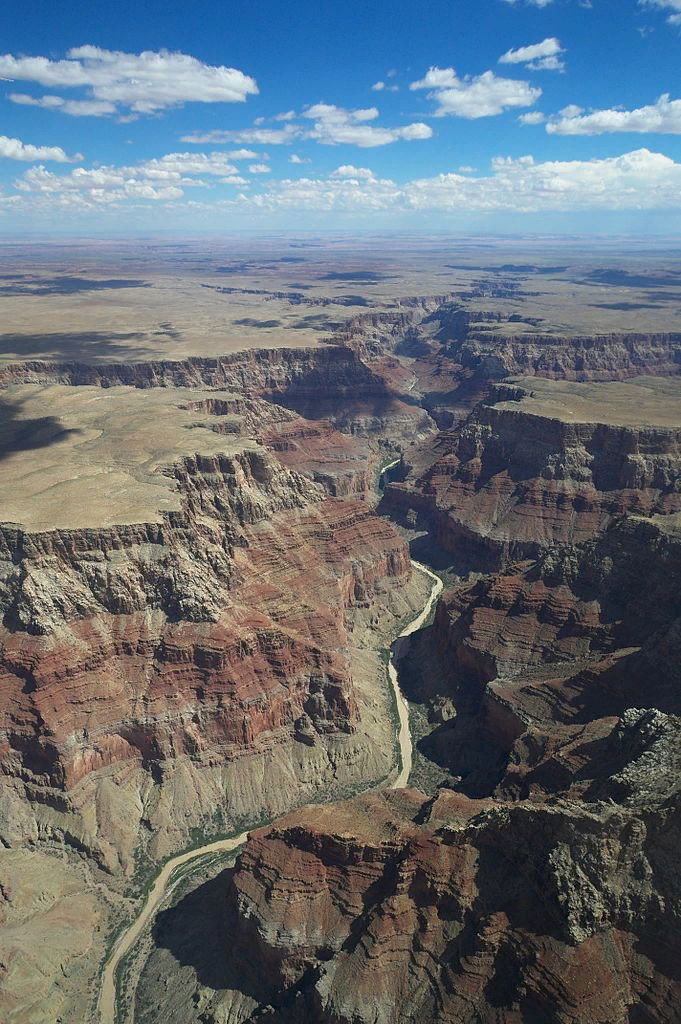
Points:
x=200 y=581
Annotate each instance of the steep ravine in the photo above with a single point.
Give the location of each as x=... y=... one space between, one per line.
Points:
x=107 y=1000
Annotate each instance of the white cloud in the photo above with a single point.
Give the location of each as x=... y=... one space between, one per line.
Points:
x=640 y=180
x=95 y=188
x=339 y=115
x=331 y=126
x=295 y=159
x=532 y=3
x=483 y=96
x=242 y=154
x=533 y=117
x=663 y=117
x=467 y=169
x=666 y=5
x=178 y=164
x=160 y=178
x=259 y=169
x=117 y=82
x=262 y=136
x=546 y=64
x=546 y=50
x=637 y=180
x=286 y=116
x=378 y=86
x=348 y=171
x=77 y=108
x=14 y=149
x=334 y=125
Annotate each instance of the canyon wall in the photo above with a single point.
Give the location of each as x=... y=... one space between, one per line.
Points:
x=153 y=675
x=516 y=478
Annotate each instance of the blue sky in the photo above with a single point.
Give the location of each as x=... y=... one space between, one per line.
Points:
x=493 y=116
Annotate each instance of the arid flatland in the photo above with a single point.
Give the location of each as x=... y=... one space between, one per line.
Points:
x=87 y=457
x=150 y=300
x=641 y=402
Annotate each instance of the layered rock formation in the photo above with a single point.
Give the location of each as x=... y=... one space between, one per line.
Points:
x=185 y=649
x=544 y=885
x=195 y=659
x=331 y=382
x=396 y=908
x=546 y=463
x=555 y=897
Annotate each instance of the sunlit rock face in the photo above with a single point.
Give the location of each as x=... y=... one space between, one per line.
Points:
x=193 y=658
x=544 y=463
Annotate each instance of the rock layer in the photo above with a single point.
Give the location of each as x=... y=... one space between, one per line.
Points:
x=394 y=908
x=523 y=473
x=153 y=674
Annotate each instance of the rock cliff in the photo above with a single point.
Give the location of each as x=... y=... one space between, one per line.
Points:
x=396 y=908
x=544 y=463
x=156 y=673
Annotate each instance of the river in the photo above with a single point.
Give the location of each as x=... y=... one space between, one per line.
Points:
x=106 y=1004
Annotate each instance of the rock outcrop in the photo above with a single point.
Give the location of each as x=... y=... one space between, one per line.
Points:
x=544 y=463
x=396 y=908
x=196 y=669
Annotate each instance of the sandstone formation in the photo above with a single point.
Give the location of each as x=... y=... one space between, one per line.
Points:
x=544 y=885
x=397 y=908
x=544 y=463
x=553 y=897
x=195 y=658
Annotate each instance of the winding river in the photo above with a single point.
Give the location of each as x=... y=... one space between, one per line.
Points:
x=106 y=1004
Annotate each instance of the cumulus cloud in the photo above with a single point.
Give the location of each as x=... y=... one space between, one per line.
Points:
x=339 y=115
x=483 y=96
x=331 y=126
x=255 y=136
x=259 y=169
x=295 y=159
x=663 y=117
x=537 y=56
x=378 y=86
x=179 y=164
x=126 y=83
x=242 y=154
x=288 y=115
x=160 y=178
x=348 y=171
x=666 y=5
x=533 y=117
x=14 y=149
x=96 y=188
x=637 y=180
x=77 y=108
